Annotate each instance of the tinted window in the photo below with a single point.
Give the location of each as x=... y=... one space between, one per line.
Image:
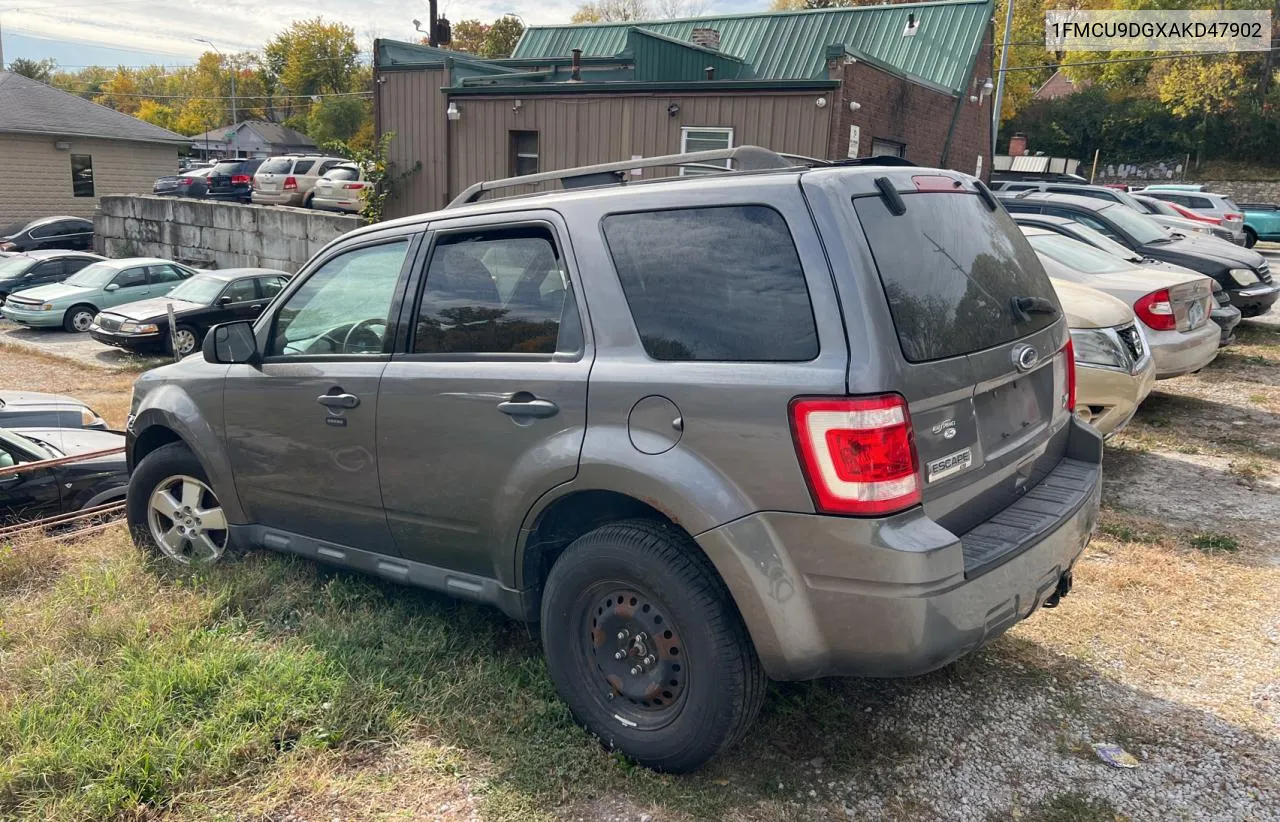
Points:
x=49 y=268
x=166 y=274
x=1084 y=192
x=494 y=293
x=280 y=165
x=1138 y=226
x=131 y=277
x=74 y=264
x=43 y=230
x=714 y=284
x=344 y=307
x=303 y=166
x=343 y=173
x=1199 y=202
x=951 y=267
x=271 y=286
x=241 y=291
x=326 y=165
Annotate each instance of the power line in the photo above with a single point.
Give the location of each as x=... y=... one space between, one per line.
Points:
x=1136 y=59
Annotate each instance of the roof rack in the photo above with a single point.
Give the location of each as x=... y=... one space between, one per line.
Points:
x=744 y=158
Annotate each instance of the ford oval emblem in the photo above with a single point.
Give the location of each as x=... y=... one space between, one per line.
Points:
x=1025 y=357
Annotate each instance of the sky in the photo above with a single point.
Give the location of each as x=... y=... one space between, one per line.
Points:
x=78 y=33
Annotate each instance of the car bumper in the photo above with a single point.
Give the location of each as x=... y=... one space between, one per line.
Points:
x=133 y=342
x=1107 y=399
x=284 y=198
x=1177 y=352
x=1254 y=300
x=841 y=596
x=230 y=196
x=36 y=319
x=1226 y=317
x=326 y=204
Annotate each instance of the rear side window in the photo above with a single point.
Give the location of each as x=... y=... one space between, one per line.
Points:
x=1199 y=202
x=951 y=267
x=277 y=166
x=714 y=284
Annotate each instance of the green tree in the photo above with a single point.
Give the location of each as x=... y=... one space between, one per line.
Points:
x=41 y=70
x=468 y=36
x=609 y=11
x=338 y=118
x=501 y=38
x=313 y=57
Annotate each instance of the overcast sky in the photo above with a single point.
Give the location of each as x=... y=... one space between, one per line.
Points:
x=77 y=32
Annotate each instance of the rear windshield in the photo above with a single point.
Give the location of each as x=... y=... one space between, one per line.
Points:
x=229 y=167
x=950 y=267
x=342 y=173
x=1078 y=255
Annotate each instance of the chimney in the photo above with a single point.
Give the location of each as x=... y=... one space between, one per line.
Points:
x=1017 y=145
x=576 y=76
x=707 y=38
x=711 y=72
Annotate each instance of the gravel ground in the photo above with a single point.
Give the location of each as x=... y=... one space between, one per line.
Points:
x=78 y=347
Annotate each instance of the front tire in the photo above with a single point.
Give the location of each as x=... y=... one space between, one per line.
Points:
x=78 y=318
x=647 y=648
x=187 y=340
x=172 y=510
x=1250 y=237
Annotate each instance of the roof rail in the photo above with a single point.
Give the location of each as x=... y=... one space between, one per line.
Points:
x=744 y=158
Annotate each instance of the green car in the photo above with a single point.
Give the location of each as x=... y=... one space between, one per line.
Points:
x=75 y=301
x=1261 y=222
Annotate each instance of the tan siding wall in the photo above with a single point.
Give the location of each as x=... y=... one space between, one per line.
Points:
x=35 y=178
x=411 y=104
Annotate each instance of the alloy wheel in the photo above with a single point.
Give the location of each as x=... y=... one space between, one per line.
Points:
x=184 y=342
x=186 y=521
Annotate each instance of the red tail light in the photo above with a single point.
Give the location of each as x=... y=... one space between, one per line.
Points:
x=186 y=181
x=1069 y=398
x=1156 y=310
x=858 y=453
x=1194 y=215
x=353 y=186
x=290 y=183
x=1232 y=216
x=241 y=179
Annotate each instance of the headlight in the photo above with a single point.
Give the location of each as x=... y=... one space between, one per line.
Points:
x=138 y=328
x=1097 y=347
x=1243 y=276
x=47 y=307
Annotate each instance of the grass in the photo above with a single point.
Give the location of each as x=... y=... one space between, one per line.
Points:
x=1210 y=543
x=1073 y=806
x=106 y=393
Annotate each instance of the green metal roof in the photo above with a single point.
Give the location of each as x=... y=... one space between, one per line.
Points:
x=658 y=57
x=792 y=45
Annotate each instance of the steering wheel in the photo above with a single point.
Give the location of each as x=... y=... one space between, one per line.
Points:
x=371 y=339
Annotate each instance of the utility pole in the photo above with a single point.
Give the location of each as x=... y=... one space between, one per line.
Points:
x=1004 y=61
x=1 y=48
x=234 y=120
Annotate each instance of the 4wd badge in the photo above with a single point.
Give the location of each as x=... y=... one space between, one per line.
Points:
x=949 y=465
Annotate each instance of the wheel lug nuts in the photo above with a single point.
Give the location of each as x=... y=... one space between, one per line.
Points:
x=649 y=660
x=636 y=670
x=620 y=655
x=623 y=634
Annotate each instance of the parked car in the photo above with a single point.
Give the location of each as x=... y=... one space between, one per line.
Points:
x=232 y=180
x=1204 y=202
x=339 y=189
x=71 y=233
x=1166 y=215
x=74 y=302
x=1114 y=368
x=41 y=492
x=194 y=183
x=1261 y=222
x=208 y=298
x=1174 y=308
x=33 y=268
x=289 y=180
x=33 y=409
x=445 y=414
x=1244 y=274
x=1224 y=314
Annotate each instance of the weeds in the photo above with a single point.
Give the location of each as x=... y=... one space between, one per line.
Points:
x=1213 y=543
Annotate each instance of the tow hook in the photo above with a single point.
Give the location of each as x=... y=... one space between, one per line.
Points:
x=1064 y=588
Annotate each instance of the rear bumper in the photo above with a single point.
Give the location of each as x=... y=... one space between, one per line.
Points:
x=837 y=596
x=1227 y=318
x=1107 y=399
x=1177 y=353
x=280 y=198
x=327 y=204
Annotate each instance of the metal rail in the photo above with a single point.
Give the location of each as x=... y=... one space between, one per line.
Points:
x=111 y=509
x=56 y=461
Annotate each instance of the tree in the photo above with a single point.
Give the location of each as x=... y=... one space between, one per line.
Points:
x=338 y=118
x=501 y=39
x=313 y=57
x=41 y=70
x=157 y=114
x=609 y=11
x=468 y=36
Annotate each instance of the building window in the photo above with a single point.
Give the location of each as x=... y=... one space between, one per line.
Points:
x=694 y=138
x=82 y=175
x=524 y=153
x=887 y=148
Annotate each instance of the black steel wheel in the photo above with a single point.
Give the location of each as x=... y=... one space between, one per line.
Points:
x=647 y=648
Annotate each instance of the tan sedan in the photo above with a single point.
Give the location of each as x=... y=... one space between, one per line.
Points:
x=1114 y=367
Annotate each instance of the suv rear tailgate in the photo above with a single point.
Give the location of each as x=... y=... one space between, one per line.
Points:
x=985 y=381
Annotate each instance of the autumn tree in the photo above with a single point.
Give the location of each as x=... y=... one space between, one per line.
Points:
x=468 y=36
x=497 y=39
x=313 y=57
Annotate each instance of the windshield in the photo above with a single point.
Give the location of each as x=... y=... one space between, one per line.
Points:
x=13 y=266
x=93 y=276
x=342 y=173
x=1077 y=255
x=28 y=444
x=1138 y=226
x=202 y=290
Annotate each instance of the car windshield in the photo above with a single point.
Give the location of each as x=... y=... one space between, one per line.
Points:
x=13 y=266
x=1077 y=255
x=93 y=276
x=198 y=289
x=29 y=444
x=1159 y=207
x=342 y=173
x=228 y=167
x=1138 y=226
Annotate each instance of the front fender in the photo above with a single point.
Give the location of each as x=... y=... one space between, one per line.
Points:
x=172 y=407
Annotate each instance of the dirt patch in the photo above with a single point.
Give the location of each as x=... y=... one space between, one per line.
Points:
x=107 y=392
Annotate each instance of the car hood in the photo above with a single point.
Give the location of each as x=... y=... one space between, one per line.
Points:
x=1193 y=249
x=54 y=291
x=154 y=308
x=72 y=441
x=1087 y=307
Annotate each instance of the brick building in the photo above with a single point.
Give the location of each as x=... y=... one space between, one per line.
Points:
x=911 y=80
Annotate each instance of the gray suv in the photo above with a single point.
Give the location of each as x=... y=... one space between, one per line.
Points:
x=778 y=422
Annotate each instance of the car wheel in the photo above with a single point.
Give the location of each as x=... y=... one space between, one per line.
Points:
x=1250 y=237
x=183 y=341
x=78 y=318
x=645 y=645
x=172 y=510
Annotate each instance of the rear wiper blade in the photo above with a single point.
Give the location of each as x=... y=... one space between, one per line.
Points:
x=1024 y=307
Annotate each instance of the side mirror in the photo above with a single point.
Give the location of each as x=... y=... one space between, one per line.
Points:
x=112 y=287
x=225 y=300
x=231 y=344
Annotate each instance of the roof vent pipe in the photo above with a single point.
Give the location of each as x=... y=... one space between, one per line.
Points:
x=711 y=72
x=576 y=76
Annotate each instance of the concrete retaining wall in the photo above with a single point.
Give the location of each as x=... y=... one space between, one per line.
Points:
x=215 y=235
x=1265 y=191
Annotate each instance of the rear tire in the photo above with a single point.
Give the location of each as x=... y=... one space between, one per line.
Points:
x=689 y=683
x=172 y=511
x=1250 y=237
x=78 y=318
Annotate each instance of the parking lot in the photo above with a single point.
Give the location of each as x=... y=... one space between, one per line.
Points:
x=406 y=705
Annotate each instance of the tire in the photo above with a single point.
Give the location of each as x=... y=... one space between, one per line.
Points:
x=78 y=318
x=188 y=341
x=701 y=685
x=1250 y=237
x=185 y=539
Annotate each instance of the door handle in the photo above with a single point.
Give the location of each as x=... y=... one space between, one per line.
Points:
x=256 y=307
x=338 y=400
x=540 y=409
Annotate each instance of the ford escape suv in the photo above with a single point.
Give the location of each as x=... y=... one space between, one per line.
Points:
x=778 y=421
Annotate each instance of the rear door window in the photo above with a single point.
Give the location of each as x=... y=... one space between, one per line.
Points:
x=280 y=165
x=719 y=284
x=951 y=267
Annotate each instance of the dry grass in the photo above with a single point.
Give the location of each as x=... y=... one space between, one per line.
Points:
x=106 y=393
